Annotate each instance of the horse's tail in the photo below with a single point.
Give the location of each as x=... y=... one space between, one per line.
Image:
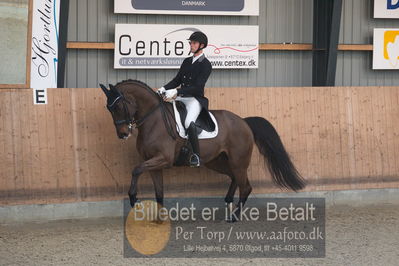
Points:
x=276 y=158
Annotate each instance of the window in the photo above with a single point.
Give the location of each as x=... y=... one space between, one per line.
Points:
x=15 y=27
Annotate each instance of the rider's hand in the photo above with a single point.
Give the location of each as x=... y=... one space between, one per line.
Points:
x=160 y=91
x=170 y=95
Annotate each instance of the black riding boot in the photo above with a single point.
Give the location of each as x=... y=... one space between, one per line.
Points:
x=193 y=138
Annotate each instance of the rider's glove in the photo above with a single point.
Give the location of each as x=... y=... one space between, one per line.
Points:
x=160 y=91
x=170 y=94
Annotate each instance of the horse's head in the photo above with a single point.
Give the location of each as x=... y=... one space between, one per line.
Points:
x=121 y=109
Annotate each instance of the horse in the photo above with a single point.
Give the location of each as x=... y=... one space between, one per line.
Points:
x=133 y=103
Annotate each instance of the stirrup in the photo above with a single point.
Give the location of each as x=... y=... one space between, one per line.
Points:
x=194 y=160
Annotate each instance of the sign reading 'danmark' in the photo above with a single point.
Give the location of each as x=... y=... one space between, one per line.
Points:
x=189 y=7
x=166 y=46
x=386 y=49
x=386 y=8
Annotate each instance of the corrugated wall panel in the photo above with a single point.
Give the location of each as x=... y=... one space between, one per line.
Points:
x=279 y=21
x=355 y=68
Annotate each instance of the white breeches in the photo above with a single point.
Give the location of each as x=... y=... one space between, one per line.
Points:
x=193 y=109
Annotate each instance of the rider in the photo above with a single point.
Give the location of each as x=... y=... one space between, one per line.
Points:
x=192 y=76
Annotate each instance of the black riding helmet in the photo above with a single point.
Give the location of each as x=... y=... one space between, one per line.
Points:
x=199 y=37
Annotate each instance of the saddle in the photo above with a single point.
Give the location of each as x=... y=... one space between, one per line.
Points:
x=206 y=123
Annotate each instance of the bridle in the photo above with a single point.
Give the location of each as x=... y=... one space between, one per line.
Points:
x=129 y=119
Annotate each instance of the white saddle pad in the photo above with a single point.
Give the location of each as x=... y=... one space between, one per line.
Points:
x=203 y=135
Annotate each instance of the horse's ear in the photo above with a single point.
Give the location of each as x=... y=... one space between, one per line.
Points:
x=105 y=90
x=112 y=87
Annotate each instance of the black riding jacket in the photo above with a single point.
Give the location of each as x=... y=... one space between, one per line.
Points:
x=192 y=78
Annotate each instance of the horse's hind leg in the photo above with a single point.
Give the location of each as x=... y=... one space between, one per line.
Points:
x=245 y=189
x=239 y=160
x=243 y=184
x=239 y=178
x=232 y=190
x=221 y=165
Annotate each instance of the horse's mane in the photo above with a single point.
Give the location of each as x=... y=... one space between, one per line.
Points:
x=136 y=82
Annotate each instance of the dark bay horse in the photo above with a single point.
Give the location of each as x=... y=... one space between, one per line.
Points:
x=133 y=103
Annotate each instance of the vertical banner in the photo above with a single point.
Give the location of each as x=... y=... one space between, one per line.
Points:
x=44 y=57
x=386 y=49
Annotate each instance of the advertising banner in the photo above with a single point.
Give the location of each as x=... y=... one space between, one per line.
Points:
x=386 y=49
x=386 y=8
x=148 y=46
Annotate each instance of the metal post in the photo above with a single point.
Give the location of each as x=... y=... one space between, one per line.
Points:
x=326 y=26
x=63 y=35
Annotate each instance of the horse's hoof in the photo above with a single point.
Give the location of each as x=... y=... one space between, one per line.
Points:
x=134 y=201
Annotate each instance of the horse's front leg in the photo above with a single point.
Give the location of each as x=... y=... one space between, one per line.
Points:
x=155 y=163
x=157 y=180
